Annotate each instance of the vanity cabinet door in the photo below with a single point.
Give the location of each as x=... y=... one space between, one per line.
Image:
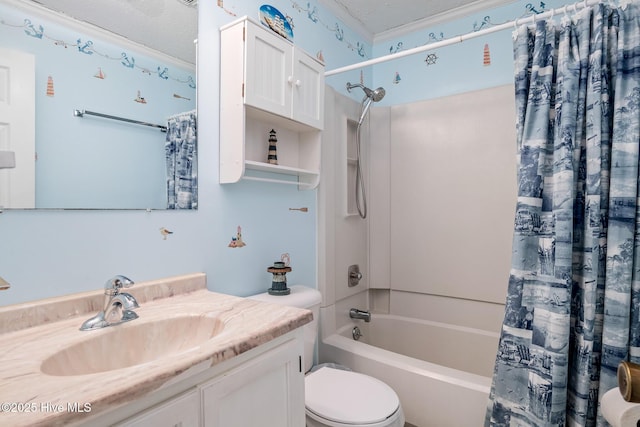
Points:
x=181 y=411
x=267 y=391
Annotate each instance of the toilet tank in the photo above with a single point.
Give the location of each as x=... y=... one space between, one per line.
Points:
x=300 y=297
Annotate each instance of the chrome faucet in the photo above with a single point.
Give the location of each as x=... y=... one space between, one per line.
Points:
x=354 y=313
x=118 y=306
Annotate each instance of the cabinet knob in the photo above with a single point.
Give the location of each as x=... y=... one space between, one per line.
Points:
x=292 y=82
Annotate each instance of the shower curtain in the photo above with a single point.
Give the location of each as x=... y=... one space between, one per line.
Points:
x=182 y=161
x=572 y=308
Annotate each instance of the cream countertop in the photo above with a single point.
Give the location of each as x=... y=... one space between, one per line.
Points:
x=31 y=332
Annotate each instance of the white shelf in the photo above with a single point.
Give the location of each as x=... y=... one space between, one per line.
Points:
x=307 y=179
x=285 y=170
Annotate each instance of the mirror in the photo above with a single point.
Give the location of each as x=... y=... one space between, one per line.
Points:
x=80 y=139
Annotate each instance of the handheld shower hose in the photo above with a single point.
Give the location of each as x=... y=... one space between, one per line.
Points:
x=369 y=97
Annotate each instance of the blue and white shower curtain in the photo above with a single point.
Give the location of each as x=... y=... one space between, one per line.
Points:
x=572 y=309
x=182 y=161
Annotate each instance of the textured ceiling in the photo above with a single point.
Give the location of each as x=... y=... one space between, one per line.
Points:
x=170 y=26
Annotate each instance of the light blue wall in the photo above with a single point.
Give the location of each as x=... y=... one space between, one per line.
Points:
x=93 y=162
x=460 y=67
x=48 y=253
x=45 y=253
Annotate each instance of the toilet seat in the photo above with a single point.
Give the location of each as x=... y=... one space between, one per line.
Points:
x=349 y=398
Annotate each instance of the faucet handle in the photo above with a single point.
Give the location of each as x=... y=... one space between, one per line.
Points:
x=113 y=285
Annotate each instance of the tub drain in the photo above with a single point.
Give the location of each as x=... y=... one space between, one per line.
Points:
x=356 y=333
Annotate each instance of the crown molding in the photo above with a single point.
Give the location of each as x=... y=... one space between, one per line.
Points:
x=31 y=7
x=450 y=15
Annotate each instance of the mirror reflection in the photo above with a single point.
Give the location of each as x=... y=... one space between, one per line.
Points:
x=138 y=151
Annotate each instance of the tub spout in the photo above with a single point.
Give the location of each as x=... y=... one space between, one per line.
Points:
x=354 y=313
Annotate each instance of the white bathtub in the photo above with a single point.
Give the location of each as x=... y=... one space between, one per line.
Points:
x=442 y=373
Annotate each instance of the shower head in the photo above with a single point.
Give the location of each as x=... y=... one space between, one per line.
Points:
x=375 y=95
x=369 y=97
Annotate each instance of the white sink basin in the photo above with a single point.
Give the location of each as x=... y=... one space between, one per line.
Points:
x=132 y=343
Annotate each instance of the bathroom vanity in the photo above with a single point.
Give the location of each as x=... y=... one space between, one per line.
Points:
x=192 y=358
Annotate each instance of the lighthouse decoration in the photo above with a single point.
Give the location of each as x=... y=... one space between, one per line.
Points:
x=50 y=91
x=279 y=270
x=487 y=55
x=272 y=157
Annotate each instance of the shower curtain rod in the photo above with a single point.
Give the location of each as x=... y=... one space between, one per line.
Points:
x=81 y=113
x=463 y=37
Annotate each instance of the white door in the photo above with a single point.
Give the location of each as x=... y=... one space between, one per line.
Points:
x=268 y=71
x=17 y=128
x=308 y=90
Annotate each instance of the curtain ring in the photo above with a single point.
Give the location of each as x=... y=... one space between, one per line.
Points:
x=565 y=18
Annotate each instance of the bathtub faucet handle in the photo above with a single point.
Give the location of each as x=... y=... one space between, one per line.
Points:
x=354 y=275
x=354 y=313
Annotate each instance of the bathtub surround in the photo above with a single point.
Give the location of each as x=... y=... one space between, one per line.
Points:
x=431 y=159
x=572 y=314
x=425 y=158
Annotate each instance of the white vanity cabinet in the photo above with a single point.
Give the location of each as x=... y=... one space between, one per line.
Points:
x=262 y=387
x=181 y=411
x=268 y=83
x=266 y=391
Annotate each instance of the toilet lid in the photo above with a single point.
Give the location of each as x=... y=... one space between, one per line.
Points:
x=349 y=397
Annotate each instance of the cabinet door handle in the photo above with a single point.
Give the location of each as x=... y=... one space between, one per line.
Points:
x=290 y=80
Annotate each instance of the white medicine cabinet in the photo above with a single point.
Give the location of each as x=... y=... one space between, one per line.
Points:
x=267 y=84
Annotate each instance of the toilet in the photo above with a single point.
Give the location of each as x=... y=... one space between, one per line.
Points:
x=336 y=396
